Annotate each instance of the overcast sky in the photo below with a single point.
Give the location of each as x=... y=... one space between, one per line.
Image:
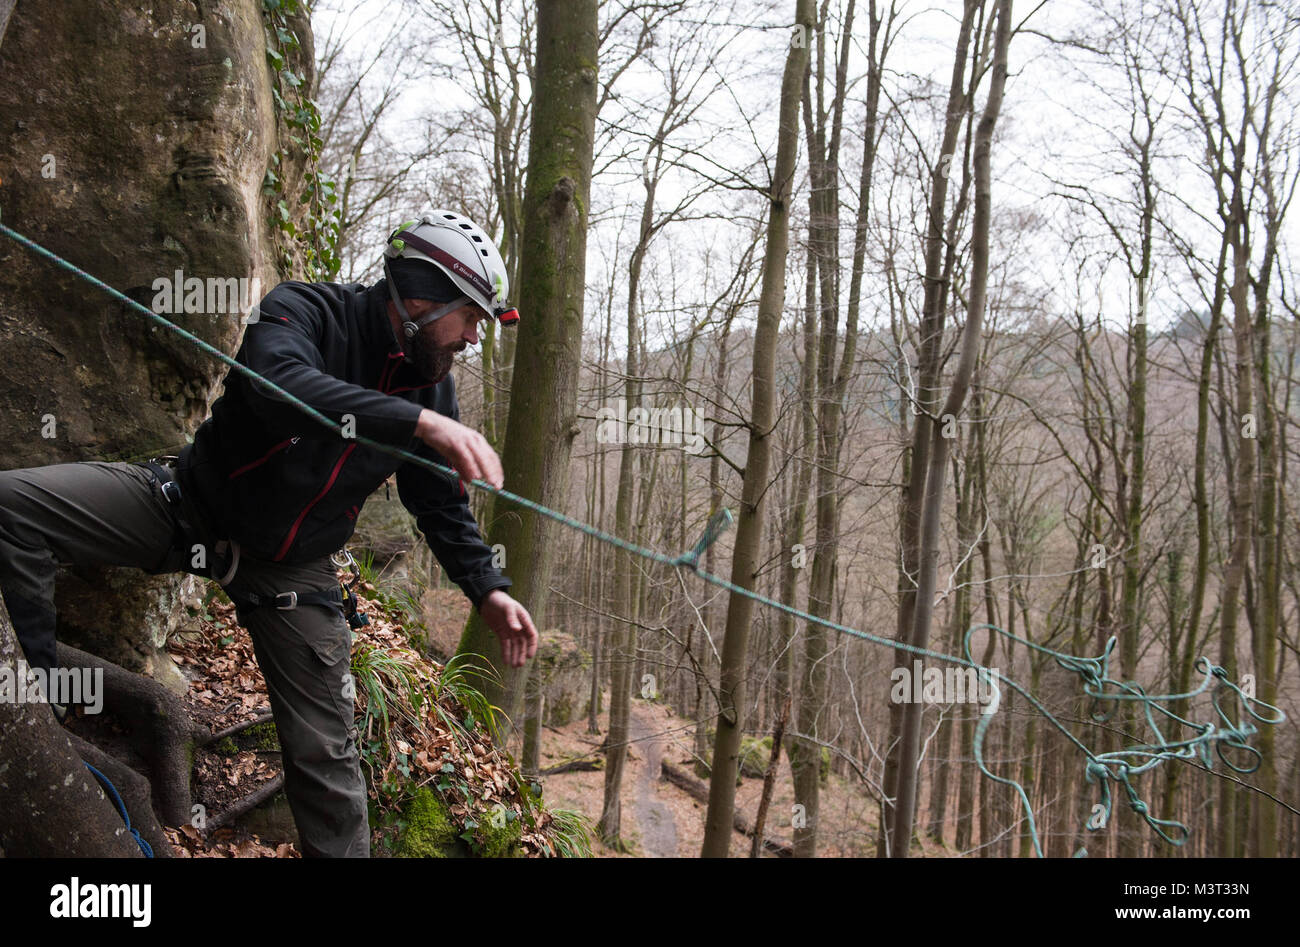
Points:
x=1056 y=127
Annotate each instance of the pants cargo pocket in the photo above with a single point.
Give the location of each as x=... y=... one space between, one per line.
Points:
x=325 y=631
x=327 y=635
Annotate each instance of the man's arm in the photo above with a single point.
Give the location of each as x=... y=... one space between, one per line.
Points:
x=284 y=346
x=440 y=506
x=441 y=509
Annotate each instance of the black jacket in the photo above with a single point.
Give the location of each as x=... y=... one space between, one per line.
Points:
x=287 y=488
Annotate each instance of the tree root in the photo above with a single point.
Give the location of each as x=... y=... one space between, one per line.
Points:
x=157 y=726
x=264 y=716
x=135 y=791
x=251 y=801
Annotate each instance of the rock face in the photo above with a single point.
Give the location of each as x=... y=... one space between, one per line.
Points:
x=387 y=533
x=133 y=141
x=563 y=668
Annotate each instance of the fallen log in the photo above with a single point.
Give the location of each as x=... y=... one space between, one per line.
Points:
x=587 y=765
x=699 y=791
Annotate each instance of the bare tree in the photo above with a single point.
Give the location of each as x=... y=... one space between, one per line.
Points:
x=749 y=531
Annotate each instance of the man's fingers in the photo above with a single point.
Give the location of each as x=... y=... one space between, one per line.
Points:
x=467 y=465
x=533 y=636
x=489 y=462
x=467 y=450
x=497 y=472
x=516 y=633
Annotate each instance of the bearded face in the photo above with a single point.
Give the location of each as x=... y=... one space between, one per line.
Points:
x=432 y=360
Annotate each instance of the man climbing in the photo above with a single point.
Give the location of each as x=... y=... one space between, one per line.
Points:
x=266 y=494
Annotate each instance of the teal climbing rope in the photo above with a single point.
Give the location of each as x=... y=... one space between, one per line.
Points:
x=1103 y=768
x=1119 y=765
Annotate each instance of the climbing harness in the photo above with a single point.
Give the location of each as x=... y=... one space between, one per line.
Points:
x=341 y=595
x=164 y=474
x=163 y=471
x=121 y=809
x=351 y=606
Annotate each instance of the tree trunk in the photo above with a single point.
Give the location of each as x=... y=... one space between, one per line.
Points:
x=917 y=460
x=769 y=778
x=961 y=619
x=623 y=641
x=749 y=530
x=1231 y=842
x=936 y=465
x=542 y=421
x=1268 y=599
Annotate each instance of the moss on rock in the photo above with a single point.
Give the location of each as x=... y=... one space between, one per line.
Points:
x=754 y=756
x=563 y=670
x=263 y=736
x=425 y=828
x=429 y=831
x=501 y=838
x=562 y=711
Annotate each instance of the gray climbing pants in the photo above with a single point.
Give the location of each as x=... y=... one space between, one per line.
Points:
x=116 y=514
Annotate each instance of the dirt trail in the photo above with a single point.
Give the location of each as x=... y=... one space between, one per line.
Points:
x=654 y=818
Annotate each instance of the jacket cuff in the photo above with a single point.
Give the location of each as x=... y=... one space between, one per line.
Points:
x=400 y=430
x=477 y=587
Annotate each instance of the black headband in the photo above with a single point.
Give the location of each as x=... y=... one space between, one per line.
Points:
x=418 y=279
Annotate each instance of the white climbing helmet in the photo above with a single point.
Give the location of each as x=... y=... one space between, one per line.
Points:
x=460 y=248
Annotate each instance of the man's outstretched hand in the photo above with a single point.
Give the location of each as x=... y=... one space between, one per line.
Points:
x=465 y=448
x=512 y=625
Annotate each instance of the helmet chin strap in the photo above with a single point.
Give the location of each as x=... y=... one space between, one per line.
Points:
x=411 y=327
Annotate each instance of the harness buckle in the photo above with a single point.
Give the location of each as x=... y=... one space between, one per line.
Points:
x=293 y=601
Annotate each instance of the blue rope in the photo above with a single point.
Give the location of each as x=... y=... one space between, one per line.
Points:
x=1116 y=766
x=117 y=801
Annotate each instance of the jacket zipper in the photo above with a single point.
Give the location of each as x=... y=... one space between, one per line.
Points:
x=384 y=380
x=329 y=485
x=263 y=459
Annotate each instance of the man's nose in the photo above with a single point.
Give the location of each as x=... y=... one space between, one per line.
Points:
x=471 y=335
